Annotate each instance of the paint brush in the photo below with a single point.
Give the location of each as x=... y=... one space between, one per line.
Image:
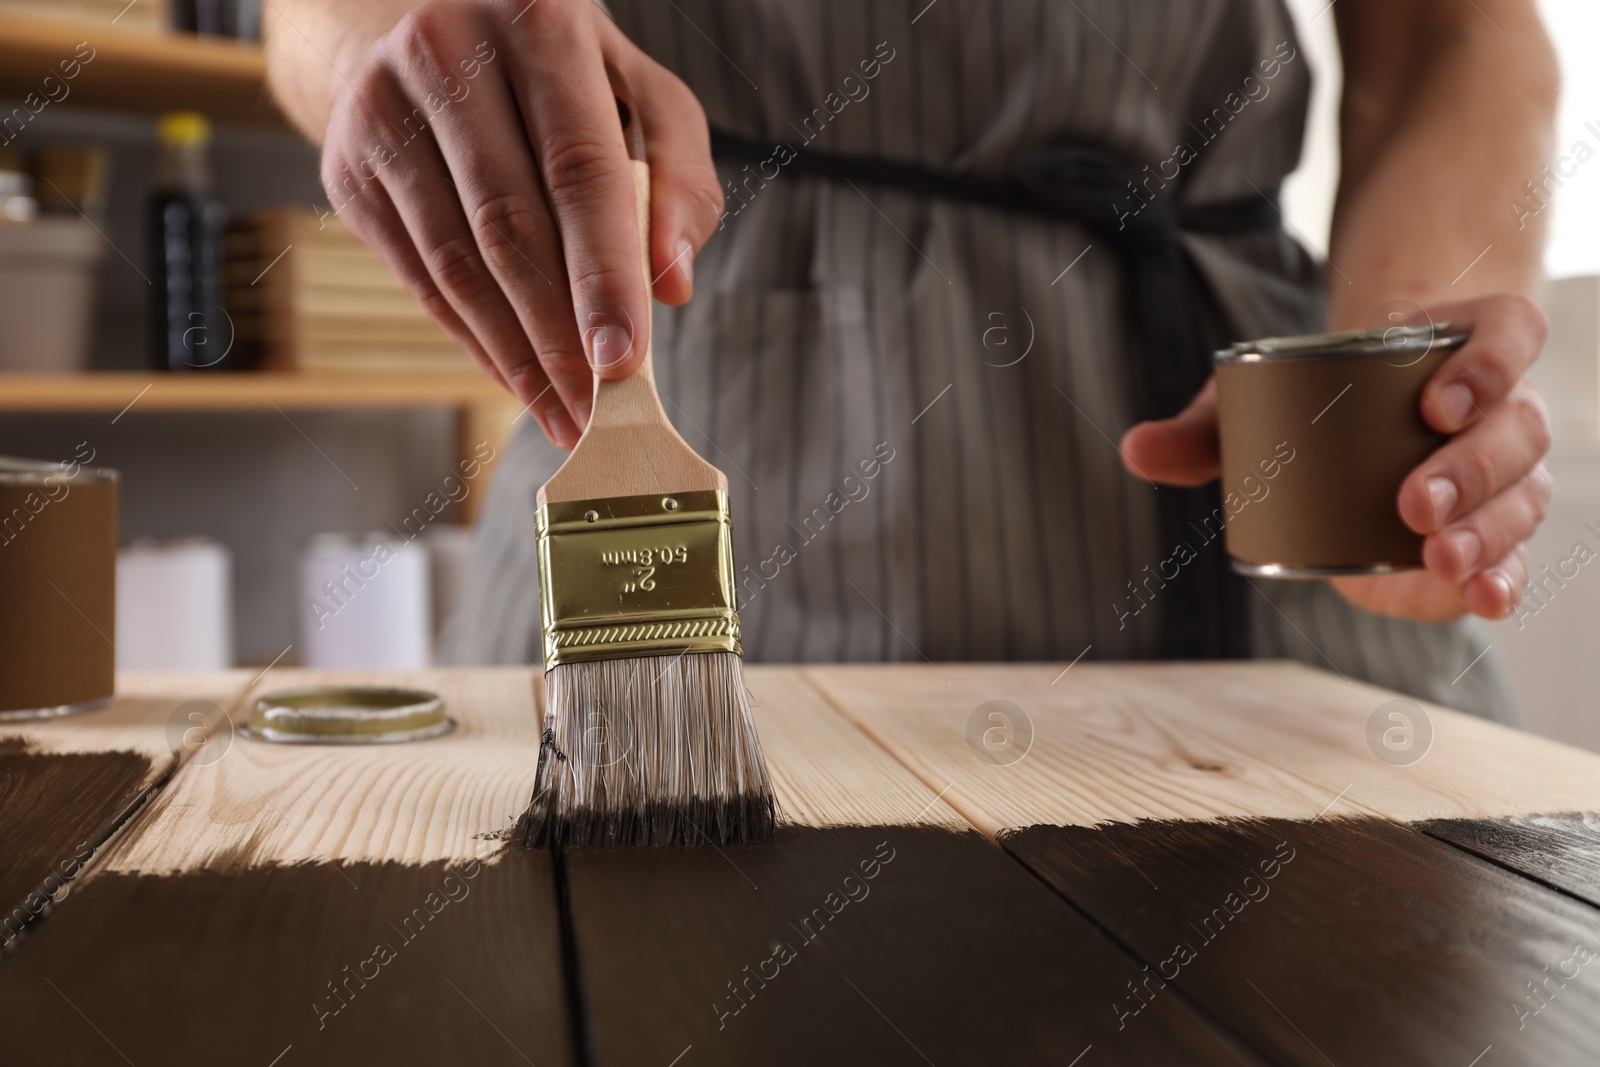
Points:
x=648 y=737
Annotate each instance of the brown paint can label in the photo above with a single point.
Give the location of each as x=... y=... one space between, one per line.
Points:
x=1317 y=435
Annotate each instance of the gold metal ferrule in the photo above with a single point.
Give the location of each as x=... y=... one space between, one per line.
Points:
x=637 y=576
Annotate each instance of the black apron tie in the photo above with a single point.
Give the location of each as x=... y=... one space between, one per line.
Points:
x=1204 y=609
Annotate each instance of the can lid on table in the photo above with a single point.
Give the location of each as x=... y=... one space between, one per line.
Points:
x=347 y=715
x=1401 y=342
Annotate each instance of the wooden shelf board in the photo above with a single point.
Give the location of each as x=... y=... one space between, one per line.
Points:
x=135 y=71
x=153 y=391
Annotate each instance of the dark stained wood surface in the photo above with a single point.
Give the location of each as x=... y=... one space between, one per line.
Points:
x=319 y=963
x=56 y=809
x=1343 y=940
x=1561 y=849
x=881 y=945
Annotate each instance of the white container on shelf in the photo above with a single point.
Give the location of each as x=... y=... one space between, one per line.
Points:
x=175 y=606
x=364 y=603
x=47 y=284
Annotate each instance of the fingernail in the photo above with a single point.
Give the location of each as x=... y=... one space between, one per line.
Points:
x=1507 y=595
x=559 y=427
x=581 y=412
x=609 y=343
x=1468 y=548
x=1455 y=403
x=686 y=261
x=1442 y=495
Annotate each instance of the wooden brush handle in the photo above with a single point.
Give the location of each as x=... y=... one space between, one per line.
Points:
x=630 y=448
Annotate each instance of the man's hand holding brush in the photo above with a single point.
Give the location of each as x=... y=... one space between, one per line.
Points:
x=475 y=145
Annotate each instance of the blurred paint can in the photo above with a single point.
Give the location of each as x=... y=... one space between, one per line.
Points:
x=58 y=582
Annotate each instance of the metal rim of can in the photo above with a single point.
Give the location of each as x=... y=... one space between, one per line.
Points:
x=350 y=715
x=15 y=471
x=1394 y=341
x=1286 y=570
x=24 y=714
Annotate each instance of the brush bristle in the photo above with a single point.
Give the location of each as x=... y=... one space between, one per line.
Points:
x=649 y=751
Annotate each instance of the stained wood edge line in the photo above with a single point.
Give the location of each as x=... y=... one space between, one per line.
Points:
x=130 y=819
x=1246 y=1051
x=97 y=845
x=1423 y=827
x=580 y=1029
x=945 y=790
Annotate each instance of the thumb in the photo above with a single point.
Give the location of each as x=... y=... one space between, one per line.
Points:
x=1182 y=450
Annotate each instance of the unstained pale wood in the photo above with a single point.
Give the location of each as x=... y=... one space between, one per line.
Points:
x=825 y=771
x=442 y=800
x=1119 y=743
x=630 y=447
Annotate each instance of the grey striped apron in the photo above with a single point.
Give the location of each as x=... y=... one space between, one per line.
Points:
x=917 y=400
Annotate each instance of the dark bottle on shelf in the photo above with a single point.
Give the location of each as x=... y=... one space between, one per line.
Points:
x=190 y=329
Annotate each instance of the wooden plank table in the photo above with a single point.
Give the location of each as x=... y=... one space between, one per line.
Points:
x=975 y=865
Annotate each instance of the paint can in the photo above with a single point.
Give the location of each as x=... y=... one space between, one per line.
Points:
x=1318 y=433
x=58 y=581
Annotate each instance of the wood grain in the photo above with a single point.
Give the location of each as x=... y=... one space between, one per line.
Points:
x=630 y=447
x=320 y=964
x=1197 y=741
x=67 y=784
x=1146 y=795
x=252 y=882
x=1560 y=850
x=425 y=802
x=874 y=929
x=1340 y=940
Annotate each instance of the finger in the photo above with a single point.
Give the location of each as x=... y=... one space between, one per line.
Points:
x=1182 y=450
x=417 y=183
x=1495 y=592
x=685 y=196
x=377 y=223
x=495 y=179
x=570 y=111
x=1507 y=334
x=1492 y=531
x=373 y=218
x=1477 y=463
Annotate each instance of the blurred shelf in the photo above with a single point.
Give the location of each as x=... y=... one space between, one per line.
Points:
x=485 y=413
x=136 y=71
x=153 y=391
